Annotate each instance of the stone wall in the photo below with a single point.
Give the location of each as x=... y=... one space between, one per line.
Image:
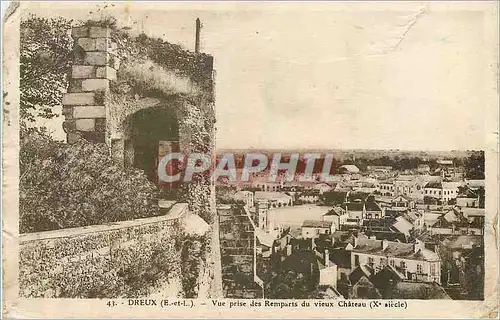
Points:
x=125 y=259
x=237 y=253
x=94 y=64
x=91 y=105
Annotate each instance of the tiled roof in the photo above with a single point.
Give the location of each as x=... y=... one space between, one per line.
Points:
x=382 y=279
x=264 y=237
x=451 y=184
x=341 y=257
x=434 y=184
x=475 y=183
x=395 y=249
x=461 y=241
x=359 y=272
x=336 y=211
x=413 y=215
x=467 y=193
x=451 y=216
x=405 y=198
x=340 y=235
x=357 y=195
x=431 y=218
x=415 y=290
x=316 y=224
x=473 y=212
x=355 y=206
x=350 y=168
x=372 y=206
x=402 y=225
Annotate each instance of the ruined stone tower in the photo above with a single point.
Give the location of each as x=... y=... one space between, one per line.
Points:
x=139 y=125
x=94 y=64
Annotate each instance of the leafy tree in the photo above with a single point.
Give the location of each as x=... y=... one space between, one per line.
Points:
x=474 y=165
x=45 y=55
x=297 y=277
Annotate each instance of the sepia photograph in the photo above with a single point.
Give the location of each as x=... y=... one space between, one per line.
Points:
x=324 y=158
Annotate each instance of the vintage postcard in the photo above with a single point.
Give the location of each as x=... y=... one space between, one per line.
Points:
x=250 y=160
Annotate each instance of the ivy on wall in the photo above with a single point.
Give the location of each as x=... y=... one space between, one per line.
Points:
x=66 y=186
x=131 y=262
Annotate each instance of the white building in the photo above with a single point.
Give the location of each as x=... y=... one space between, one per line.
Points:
x=245 y=196
x=444 y=191
x=311 y=229
x=386 y=188
x=328 y=271
x=264 y=222
x=275 y=199
x=338 y=216
x=414 y=261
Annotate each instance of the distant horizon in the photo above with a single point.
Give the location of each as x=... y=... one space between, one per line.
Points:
x=301 y=150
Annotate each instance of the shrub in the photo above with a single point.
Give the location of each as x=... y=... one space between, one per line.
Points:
x=66 y=186
x=150 y=77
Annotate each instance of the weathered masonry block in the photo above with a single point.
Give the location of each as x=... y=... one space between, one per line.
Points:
x=89 y=112
x=72 y=99
x=95 y=65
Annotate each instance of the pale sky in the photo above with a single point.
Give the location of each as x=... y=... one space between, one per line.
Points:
x=352 y=75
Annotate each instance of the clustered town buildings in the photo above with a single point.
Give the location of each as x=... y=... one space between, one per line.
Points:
x=381 y=233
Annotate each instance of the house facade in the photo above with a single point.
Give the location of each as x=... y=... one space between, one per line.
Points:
x=338 y=216
x=311 y=229
x=414 y=261
x=402 y=203
x=386 y=188
x=372 y=210
x=443 y=191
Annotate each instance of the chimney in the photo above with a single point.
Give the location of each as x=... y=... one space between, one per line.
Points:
x=385 y=243
x=197 y=38
x=288 y=249
x=313 y=244
x=327 y=258
x=417 y=246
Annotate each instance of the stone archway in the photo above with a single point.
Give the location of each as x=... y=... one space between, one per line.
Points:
x=148 y=135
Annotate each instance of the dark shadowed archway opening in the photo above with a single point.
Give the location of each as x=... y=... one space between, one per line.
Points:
x=150 y=134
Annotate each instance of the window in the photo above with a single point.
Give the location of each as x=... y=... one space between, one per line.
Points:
x=392 y=263
x=370 y=260
x=356 y=260
x=419 y=268
x=433 y=269
x=383 y=261
x=402 y=265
